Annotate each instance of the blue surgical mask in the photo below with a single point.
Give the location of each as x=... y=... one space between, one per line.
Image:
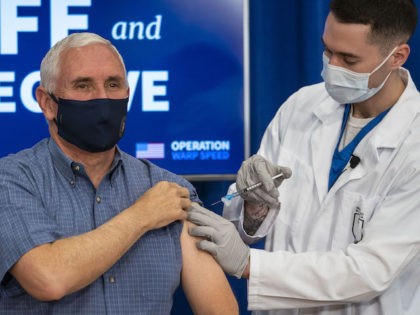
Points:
x=94 y=125
x=346 y=86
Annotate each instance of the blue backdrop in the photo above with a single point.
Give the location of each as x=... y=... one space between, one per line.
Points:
x=286 y=52
x=184 y=61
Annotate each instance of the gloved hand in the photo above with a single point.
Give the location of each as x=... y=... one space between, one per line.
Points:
x=222 y=239
x=257 y=169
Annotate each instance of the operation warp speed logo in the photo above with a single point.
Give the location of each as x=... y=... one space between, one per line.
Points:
x=202 y=150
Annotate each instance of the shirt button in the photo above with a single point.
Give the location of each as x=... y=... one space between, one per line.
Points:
x=98 y=199
x=76 y=168
x=72 y=183
x=111 y=279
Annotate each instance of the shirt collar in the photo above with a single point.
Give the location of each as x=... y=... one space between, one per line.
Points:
x=115 y=164
x=60 y=160
x=69 y=168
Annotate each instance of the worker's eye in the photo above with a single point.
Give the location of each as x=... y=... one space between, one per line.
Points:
x=327 y=53
x=350 y=61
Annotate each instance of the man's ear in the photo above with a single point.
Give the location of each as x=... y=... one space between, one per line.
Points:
x=46 y=103
x=401 y=55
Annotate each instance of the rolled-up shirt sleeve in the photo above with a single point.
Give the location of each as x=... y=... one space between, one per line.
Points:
x=25 y=223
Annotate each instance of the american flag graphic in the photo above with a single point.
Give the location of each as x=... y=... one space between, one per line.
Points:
x=150 y=150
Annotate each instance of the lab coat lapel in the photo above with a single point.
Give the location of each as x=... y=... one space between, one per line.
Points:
x=323 y=142
x=388 y=135
x=368 y=154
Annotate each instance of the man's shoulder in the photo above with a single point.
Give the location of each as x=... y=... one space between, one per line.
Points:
x=155 y=172
x=308 y=99
x=312 y=92
x=29 y=156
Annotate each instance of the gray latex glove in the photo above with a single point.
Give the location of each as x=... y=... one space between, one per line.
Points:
x=222 y=240
x=257 y=169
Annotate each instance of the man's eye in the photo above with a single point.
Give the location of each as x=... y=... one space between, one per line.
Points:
x=350 y=62
x=82 y=86
x=114 y=85
x=327 y=53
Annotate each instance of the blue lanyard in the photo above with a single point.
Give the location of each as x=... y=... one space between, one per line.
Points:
x=341 y=158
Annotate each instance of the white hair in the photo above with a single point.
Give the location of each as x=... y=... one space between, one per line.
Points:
x=50 y=65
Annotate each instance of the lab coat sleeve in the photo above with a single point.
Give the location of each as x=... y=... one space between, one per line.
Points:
x=270 y=145
x=388 y=253
x=233 y=211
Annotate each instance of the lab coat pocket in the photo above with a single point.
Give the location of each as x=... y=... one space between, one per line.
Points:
x=295 y=191
x=354 y=211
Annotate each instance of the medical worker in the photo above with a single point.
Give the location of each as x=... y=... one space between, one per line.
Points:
x=346 y=239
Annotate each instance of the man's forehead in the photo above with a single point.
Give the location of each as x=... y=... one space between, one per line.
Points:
x=346 y=38
x=83 y=61
x=90 y=50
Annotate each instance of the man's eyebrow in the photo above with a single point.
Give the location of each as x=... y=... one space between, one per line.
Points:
x=342 y=54
x=115 y=78
x=81 y=80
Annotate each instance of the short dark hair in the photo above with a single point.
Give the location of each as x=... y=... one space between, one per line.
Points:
x=392 y=22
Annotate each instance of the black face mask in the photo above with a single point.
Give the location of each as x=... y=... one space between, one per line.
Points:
x=93 y=125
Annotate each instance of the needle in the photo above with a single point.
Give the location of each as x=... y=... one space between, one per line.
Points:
x=249 y=188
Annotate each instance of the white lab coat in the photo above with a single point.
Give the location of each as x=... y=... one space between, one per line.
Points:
x=311 y=259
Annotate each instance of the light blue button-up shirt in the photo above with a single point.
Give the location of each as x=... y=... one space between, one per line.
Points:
x=45 y=196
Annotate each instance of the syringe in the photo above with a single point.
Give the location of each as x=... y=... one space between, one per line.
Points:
x=251 y=187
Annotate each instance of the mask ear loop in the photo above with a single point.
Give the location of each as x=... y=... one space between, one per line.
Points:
x=380 y=65
x=384 y=61
x=53 y=97
x=55 y=100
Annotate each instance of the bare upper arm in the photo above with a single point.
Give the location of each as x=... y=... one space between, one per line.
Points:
x=204 y=282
